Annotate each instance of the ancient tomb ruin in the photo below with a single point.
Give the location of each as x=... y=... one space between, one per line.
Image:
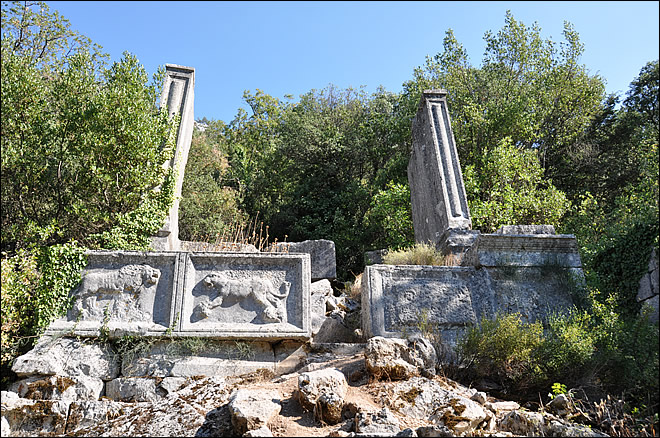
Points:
x=526 y=269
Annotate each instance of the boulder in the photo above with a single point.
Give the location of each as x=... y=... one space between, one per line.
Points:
x=323 y=392
x=34 y=417
x=253 y=408
x=428 y=400
x=133 y=389
x=381 y=423
x=59 y=388
x=68 y=357
x=395 y=358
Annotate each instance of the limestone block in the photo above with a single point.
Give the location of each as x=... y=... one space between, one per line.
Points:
x=186 y=358
x=59 y=388
x=253 y=408
x=322 y=253
x=90 y=413
x=375 y=257
x=170 y=417
x=534 y=292
x=6 y=429
x=324 y=390
x=526 y=229
x=123 y=292
x=395 y=297
x=434 y=172
x=434 y=431
x=394 y=358
x=68 y=357
x=320 y=292
x=544 y=250
x=245 y=296
x=35 y=417
x=216 y=295
x=381 y=423
x=525 y=423
x=428 y=400
x=133 y=389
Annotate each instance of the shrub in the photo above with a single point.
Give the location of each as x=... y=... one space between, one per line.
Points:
x=503 y=349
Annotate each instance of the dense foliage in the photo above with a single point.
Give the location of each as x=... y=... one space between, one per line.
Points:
x=83 y=145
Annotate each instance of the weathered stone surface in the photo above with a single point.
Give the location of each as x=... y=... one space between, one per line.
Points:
x=526 y=229
x=322 y=253
x=426 y=399
x=188 y=411
x=91 y=413
x=394 y=358
x=434 y=431
x=320 y=292
x=35 y=417
x=434 y=172
x=68 y=357
x=479 y=397
x=123 y=292
x=394 y=297
x=649 y=288
x=381 y=423
x=133 y=389
x=253 y=408
x=549 y=250
x=215 y=295
x=262 y=431
x=323 y=392
x=179 y=96
x=185 y=358
x=246 y=296
x=59 y=388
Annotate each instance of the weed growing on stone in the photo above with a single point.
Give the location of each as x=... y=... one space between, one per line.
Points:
x=419 y=254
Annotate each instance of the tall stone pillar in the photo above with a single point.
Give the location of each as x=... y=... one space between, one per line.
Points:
x=178 y=96
x=439 y=205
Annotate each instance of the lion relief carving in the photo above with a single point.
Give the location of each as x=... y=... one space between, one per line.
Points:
x=117 y=291
x=271 y=302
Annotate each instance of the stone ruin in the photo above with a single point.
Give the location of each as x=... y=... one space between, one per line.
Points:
x=194 y=319
x=527 y=269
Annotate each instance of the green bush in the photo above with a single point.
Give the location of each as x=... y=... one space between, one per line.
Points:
x=567 y=348
x=503 y=349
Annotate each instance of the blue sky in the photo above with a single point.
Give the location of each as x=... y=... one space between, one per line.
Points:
x=293 y=47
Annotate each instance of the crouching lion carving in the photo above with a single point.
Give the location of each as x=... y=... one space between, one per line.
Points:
x=118 y=290
x=272 y=303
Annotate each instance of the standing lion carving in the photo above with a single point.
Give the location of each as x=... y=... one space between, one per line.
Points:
x=116 y=292
x=271 y=302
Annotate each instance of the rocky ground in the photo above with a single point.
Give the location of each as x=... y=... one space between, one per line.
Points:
x=382 y=388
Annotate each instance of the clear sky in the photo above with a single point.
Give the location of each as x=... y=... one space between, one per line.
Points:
x=293 y=47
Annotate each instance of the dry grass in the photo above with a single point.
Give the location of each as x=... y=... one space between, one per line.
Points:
x=237 y=235
x=420 y=254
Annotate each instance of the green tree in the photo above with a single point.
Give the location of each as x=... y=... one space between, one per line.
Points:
x=208 y=206
x=82 y=143
x=83 y=148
